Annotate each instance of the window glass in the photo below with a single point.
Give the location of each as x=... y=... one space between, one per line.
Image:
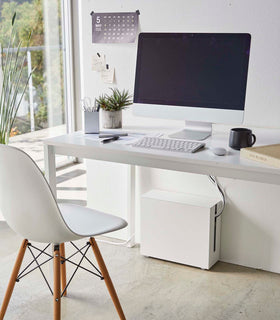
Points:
x=42 y=111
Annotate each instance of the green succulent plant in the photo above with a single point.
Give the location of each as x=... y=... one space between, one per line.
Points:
x=102 y=101
x=118 y=100
x=11 y=76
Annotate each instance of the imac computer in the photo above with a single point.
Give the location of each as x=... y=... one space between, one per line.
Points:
x=196 y=77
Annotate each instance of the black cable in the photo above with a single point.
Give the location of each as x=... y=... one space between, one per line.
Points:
x=215 y=182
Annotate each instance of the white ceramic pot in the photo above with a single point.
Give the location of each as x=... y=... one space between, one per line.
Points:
x=112 y=119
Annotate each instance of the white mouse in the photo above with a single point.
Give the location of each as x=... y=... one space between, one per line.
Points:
x=218 y=151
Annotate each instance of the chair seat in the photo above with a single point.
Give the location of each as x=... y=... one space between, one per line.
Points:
x=87 y=222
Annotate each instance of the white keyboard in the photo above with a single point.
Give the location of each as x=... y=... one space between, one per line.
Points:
x=174 y=145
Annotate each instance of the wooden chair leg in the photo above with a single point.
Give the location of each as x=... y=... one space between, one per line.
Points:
x=56 y=283
x=107 y=278
x=13 y=278
x=63 y=269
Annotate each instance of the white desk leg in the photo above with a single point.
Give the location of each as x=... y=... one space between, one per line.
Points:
x=50 y=170
x=50 y=174
x=131 y=204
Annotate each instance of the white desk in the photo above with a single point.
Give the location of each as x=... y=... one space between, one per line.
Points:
x=201 y=162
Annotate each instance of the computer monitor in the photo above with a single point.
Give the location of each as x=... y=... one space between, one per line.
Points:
x=197 y=77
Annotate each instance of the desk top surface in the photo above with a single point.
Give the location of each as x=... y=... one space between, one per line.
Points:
x=202 y=162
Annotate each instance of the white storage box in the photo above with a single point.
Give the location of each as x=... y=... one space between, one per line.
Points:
x=180 y=228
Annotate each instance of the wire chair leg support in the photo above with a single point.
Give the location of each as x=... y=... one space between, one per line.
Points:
x=56 y=283
x=77 y=267
x=44 y=277
x=13 y=278
x=107 y=278
x=63 y=269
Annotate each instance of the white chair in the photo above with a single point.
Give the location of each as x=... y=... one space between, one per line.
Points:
x=31 y=210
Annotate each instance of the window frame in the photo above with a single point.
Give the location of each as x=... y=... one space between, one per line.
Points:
x=68 y=64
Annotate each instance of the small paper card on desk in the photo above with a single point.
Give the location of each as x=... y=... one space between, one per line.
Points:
x=98 y=62
x=107 y=75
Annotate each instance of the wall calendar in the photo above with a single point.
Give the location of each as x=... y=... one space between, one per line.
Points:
x=114 y=27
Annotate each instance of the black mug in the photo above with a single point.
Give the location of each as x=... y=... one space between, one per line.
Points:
x=241 y=138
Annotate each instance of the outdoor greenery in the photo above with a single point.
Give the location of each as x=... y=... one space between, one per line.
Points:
x=30 y=16
x=118 y=100
x=11 y=78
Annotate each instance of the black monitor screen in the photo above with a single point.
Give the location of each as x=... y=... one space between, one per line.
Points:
x=207 y=70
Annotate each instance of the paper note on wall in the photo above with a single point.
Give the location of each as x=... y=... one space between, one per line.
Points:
x=98 y=62
x=107 y=75
x=114 y=27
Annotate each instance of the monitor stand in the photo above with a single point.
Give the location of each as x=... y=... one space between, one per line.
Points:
x=194 y=131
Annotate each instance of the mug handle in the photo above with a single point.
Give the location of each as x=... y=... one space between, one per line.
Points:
x=254 y=140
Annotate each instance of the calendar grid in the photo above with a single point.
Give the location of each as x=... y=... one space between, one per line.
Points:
x=121 y=27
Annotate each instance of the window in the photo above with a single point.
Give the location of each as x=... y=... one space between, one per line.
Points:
x=43 y=111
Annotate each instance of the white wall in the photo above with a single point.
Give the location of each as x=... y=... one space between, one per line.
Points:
x=249 y=229
x=260 y=18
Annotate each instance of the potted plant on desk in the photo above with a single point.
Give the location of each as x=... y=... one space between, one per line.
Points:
x=112 y=106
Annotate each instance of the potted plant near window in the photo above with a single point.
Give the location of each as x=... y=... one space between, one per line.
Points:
x=112 y=106
x=11 y=91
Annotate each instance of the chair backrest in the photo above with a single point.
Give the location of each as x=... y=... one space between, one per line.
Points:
x=26 y=200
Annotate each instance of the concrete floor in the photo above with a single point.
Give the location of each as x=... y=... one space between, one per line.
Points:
x=147 y=288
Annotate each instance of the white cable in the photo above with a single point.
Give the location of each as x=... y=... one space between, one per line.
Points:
x=123 y=243
x=215 y=182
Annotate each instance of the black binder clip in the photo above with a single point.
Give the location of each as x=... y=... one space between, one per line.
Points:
x=138 y=12
x=92 y=12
